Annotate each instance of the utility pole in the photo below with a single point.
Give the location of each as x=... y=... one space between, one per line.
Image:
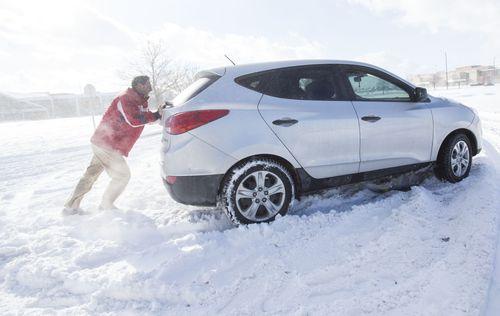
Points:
x=446 y=68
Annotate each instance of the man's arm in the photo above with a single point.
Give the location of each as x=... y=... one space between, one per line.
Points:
x=134 y=115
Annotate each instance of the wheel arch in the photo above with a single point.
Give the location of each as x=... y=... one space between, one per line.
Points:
x=467 y=133
x=288 y=165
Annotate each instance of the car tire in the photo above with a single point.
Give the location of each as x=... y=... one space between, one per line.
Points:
x=455 y=159
x=256 y=191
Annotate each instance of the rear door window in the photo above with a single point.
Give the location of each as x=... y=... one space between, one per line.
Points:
x=317 y=82
x=304 y=83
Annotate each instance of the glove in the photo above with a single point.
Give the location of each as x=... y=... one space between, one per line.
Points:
x=165 y=105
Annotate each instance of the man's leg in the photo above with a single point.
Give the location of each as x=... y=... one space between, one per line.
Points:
x=85 y=184
x=116 y=167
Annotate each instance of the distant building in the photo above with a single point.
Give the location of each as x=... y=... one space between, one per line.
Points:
x=479 y=75
x=12 y=109
x=44 y=105
x=69 y=104
x=474 y=75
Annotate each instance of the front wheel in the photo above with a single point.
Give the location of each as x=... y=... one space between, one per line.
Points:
x=455 y=161
x=256 y=191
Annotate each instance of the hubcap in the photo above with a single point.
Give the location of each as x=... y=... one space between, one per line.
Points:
x=460 y=158
x=260 y=196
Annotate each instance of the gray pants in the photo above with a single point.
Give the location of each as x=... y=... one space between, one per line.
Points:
x=116 y=167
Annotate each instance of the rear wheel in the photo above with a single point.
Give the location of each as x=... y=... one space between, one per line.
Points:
x=256 y=192
x=455 y=160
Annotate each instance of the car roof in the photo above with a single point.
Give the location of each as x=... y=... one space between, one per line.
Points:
x=243 y=69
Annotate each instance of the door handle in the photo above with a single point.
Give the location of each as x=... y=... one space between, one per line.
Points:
x=286 y=121
x=371 y=118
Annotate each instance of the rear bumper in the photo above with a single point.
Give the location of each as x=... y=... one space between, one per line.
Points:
x=195 y=190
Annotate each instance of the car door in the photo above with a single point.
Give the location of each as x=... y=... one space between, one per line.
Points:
x=313 y=119
x=394 y=130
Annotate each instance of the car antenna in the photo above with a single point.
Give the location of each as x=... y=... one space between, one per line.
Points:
x=232 y=62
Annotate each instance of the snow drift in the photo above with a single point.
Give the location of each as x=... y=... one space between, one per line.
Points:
x=348 y=251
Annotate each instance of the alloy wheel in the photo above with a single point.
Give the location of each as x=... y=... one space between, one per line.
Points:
x=460 y=158
x=260 y=196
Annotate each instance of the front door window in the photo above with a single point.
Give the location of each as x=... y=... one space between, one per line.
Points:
x=370 y=87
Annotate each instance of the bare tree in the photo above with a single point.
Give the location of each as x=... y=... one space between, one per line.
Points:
x=182 y=75
x=167 y=77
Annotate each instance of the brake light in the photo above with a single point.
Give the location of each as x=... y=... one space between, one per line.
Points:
x=182 y=122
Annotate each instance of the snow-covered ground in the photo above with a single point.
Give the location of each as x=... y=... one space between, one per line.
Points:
x=347 y=251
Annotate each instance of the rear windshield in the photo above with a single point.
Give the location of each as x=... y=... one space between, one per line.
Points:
x=195 y=88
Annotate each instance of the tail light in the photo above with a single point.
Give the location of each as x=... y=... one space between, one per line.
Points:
x=182 y=122
x=171 y=179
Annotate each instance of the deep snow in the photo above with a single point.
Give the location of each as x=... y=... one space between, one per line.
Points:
x=347 y=251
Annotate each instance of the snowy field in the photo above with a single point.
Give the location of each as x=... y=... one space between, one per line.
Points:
x=347 y=251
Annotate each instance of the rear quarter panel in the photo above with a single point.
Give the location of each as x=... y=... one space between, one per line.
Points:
x=243 y=132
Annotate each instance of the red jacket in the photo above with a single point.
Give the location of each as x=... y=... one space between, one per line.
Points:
x=123 y=122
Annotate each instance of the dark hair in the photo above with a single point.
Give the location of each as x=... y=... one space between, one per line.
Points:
x=139 y=80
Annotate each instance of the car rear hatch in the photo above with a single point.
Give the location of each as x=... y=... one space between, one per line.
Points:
x=202 y=81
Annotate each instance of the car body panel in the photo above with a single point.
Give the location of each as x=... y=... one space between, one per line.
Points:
x=449 y=116
x=402 y=136
x=176 y=150
x=477 y=130
x=325 y=141
x=242 y=134
x=239 y=135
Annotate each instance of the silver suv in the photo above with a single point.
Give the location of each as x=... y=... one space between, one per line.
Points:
x=251 y=138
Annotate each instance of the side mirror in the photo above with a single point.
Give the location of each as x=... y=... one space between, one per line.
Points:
x=420 y=95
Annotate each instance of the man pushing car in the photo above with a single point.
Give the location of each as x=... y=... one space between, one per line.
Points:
x=119 y=129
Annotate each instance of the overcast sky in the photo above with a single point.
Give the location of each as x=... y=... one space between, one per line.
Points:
x=59 y=46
